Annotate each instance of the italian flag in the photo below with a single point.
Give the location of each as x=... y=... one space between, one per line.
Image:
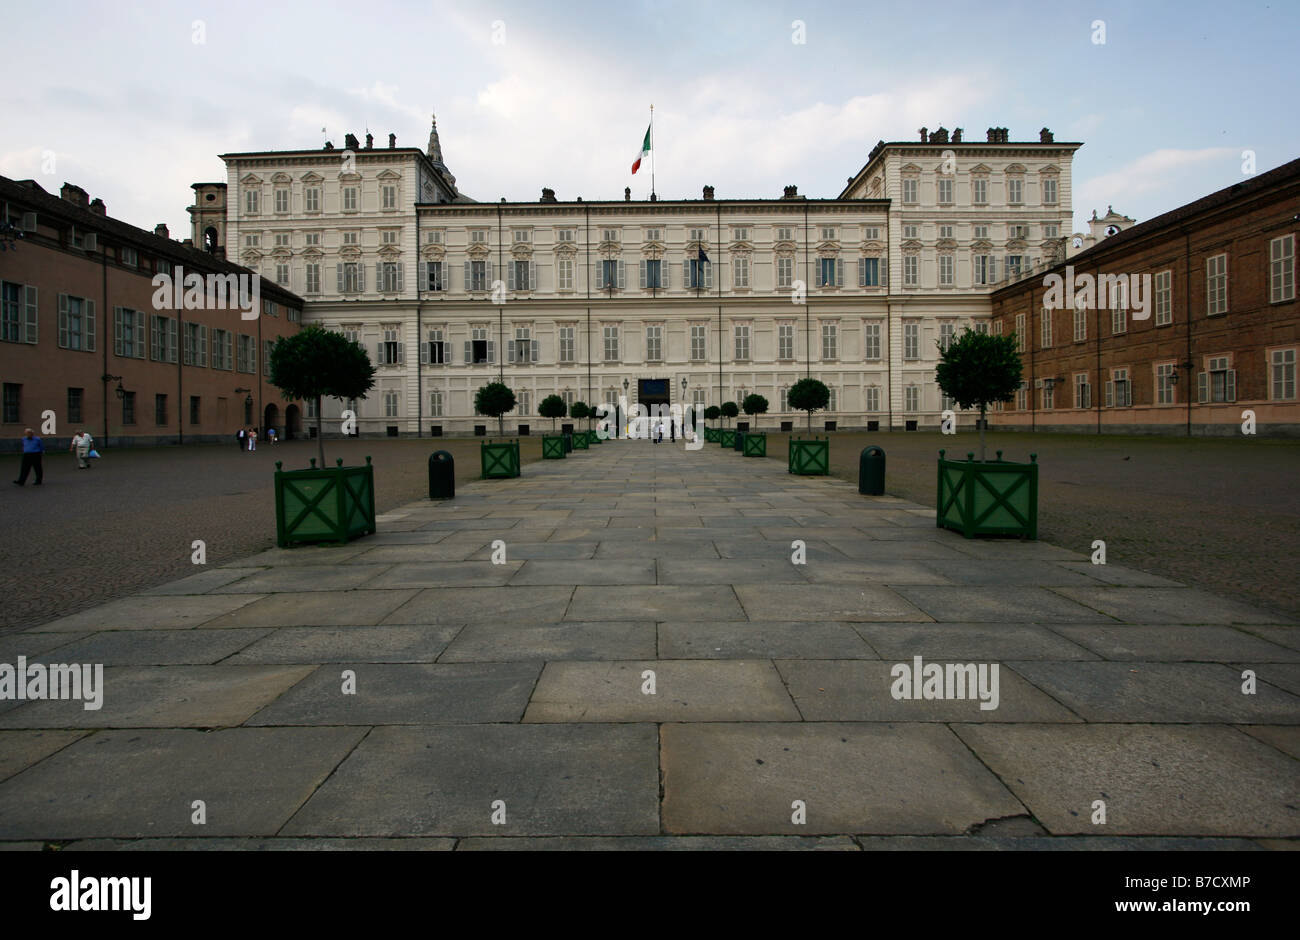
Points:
x=645 y=149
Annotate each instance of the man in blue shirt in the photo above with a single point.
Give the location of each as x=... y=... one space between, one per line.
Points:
x=33 y=448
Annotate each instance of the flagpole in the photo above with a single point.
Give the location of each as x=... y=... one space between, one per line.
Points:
x=652 y=151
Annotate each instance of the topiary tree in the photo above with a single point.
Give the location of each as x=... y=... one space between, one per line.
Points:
x=809 y=395
x=494 y=400
x=978 y=368
x=317 y=363
x=552 y=407
x=712 y=413
x=579 y=411
x=754 y=405
x=729 y=410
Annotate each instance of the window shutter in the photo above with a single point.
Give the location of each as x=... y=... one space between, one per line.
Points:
x=622 y=275
x=839 y=272
x=379 y=355
x=400 y=278
x=708 y=275
x=862 y=272
x=1202 y=386
x=510 y=278
x=401 y=353
x=446 y=354
x=379 y=275
x=29 y=322
x=490 y=278
x=884 y=270
x=139 y=332
x=1231 y=394
x=1110 y=393
x=88 y=323
x=361 y=276
x=469 y=352
x=424 y=353
x=492 y=350
x=533 y=282
x=424 y=275
x=63 y=320
x=536 y=350
x=469 y=276
x=171 y=339
x=510 y=350
x=600 y=275
x=339 y=270
x=641 y=266
x=818 y=274
x=117 y=331
x=686 y=274
x=664 y=268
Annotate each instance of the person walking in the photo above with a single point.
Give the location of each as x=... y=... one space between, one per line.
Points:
x=82 y=442
x=239 y=439
x=270 y=435
x=252 y=440
x=33 y=450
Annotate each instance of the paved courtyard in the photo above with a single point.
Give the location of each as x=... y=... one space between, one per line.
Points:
x=648 y=668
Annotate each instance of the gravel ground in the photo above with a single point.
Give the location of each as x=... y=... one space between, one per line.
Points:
x=1215 y=513
x=88 y=536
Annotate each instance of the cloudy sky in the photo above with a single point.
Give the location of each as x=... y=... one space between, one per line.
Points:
x=134 y=101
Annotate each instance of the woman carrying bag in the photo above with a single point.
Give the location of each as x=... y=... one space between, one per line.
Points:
x=83 y=446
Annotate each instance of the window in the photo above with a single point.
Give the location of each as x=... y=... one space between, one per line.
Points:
x=1162 y=286
x=524 y=347
x=388 y=237
x=564 y=273
x=652 y=274
x=946 y=331
x=785 y=341
x=830 y=341
x=946 y=231
x=1020 y=332
x=611 y=343
x=829 y=272
x=223 y=346
x=160 y=410
x=162 y=340
x=742 y=341
x=1018 y=231
x=479 y=349
x=478 y=277
x=282 y=274
x=128 y=408
x=1281 y=269
x=311 y=197
x=520 y=272
x=564 y=235
x=252 y=198
x=1015 y=191
x=388 y=196
x=349 y=198
x=18 y=315
x=873 y=398
x=163 y=267
x=1022 y=397
x=653 y=235
x=351 y=277
x=740 y=271
x=246 y=354
x=351 y=238
x=740 y=234
x=267 y=346
x=1013 y=267
x=128 y=257
x=654 y=343
x=281 y=200
x=435 y=350
x=391 y=352
x=911 y=231
x=128 y=333
x=351 y=333
x=832 y=403
x=871 y=341
x=311 y=407
x=946 y=278
x=433 y=237
x=281 y=239
x=1119 y=394
x=909 y=190
x=784 y=272
x=785 y=400
x=1216 y=285
x=784 y=234
x=982 y=269
x=982 y=326
x=609 y=274
x=911 y=399
x=196 y=345
x=389 y=276
x=293 y=314
x=1282 y=374
x=981 y=231
x=1080 y=324
x=699 y=348
x=611 y=235
x=435 y=403
x=911 y=270
x=433 y=276
x=699 y=274
x=868 y=272
x=196 y=410
x=1049 y=192
x=13 y=394
x=911 y=341
x=980 y=191
x=1051 y=231
x=523 y=402
x=567 y=344
x=828 y=233
x=945 y=191
x=567 y=396
x=1046 y=322
x=478 y=236
x=1165 y=383
x=76 y=396
x=1049 y=394
x=1082 y=391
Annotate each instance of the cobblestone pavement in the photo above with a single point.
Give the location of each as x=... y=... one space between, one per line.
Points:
x=647 y=666
x=85 y=537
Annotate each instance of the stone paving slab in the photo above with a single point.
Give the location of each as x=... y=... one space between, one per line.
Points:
x=405 y=694
x=864 y=602
x=166 y=697
x=743 y=778
x=314 y=608
x=31 y=645
x=411 y=554
x=304 y=578
x=150 y=613
x=831 y=690
x=196 y=647
x=761 y=640
x=972 y=642
x=730 y=571
x=545 y=551
x=1286 y=738
x=1177 y=643
x=546 y=642
x=446 y=574
x=685 y=690
x=620 y=571
x=1117 y=575
x=1193 y=780
x=484 y=605
x=137 y=783
x=647 y=550
x=1166 y=605
x=21 y=749
x=388 y=644
x=571 y=779
x=1017 y=604
x=1159 y=692
x=636 y=602
x=203 y=582
x=1284 y=676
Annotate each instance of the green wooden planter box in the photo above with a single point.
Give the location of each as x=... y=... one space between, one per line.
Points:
x=594 y=438
x=552 y=447
x=727 y=438
x=326 y=504
x=712 y=435
x=810 y=456
x=500 y=459
x=755 y=444
x=993 y=497
x=579 y=440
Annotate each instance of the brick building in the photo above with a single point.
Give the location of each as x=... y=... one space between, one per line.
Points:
x=1198 y=322
x=87 y=334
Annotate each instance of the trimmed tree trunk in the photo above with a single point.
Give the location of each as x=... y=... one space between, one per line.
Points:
x=320 y=437
x=982 y=407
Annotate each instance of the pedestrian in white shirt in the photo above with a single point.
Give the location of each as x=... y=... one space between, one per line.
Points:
x=82 y=442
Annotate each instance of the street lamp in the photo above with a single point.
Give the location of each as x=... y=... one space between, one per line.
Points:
x=1186 y=364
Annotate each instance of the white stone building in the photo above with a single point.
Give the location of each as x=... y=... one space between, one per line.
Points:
x=699 y=301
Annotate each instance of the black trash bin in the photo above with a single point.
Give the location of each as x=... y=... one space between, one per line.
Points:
x=740 y=441
x=442 y=475
x=871 y=472
x=568 y=442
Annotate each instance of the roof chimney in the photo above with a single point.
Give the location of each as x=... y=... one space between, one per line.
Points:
x=350 y=142
x=548 y=194
x=627 y=193
x=97 y=206
x=1045 y=137
x=708 y=193
x=74 y=194
x=161 y=230
x=791 y=192
x=370 y=141
x=392 y=141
